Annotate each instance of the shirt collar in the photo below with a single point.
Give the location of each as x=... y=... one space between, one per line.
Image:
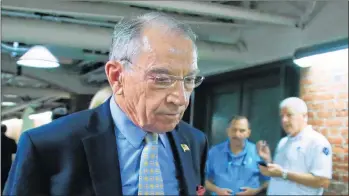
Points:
x=133 y=134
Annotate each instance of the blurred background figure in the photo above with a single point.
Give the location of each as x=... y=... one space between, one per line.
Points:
x=232 y=167
x=27 y=123
x=8 y=147
x=102 y=95
x=302 y=163
x=59 y=112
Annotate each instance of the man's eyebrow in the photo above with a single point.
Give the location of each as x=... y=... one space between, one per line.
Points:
x=160 y=70
x=195 y=71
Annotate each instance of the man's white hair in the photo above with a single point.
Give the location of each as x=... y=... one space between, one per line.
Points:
x=294 y=103
x=127 y=42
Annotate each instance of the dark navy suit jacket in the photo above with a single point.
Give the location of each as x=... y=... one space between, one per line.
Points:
x=77 y=155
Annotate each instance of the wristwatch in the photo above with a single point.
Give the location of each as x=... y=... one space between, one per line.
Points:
x=284 y=174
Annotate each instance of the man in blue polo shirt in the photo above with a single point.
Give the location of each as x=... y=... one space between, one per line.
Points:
x=232 y=166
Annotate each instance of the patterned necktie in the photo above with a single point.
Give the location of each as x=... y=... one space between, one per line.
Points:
x=150 y=179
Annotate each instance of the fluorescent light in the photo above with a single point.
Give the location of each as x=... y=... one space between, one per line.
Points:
x=327 y=54
x=334 y=58
x=8 y=103
x=10 y=96
x=43 y=115
x=40 y=57
x=10 y=121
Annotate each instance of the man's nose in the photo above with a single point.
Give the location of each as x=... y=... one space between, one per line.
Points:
x=238 y=135
x=235 y=134
x=179 y=95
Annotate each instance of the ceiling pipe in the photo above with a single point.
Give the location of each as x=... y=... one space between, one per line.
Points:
x=33 y=102
x=34 y=92
x=77 y=54
x=213 y=10
x=206 y=28
x=93 y=38
x=305 y=18
x=56 y=18
x=14 y=49
x=95 y=10
x=57 y=78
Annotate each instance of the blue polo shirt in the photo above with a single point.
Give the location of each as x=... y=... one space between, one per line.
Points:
x=227 y=170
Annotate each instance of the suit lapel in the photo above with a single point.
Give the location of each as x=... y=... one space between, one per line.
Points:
x=101 y=153
x=185 y=162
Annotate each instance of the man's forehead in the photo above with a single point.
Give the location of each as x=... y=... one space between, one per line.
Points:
x=168 y=51
x=289 y=110
x=240 y=123
x=160 y=37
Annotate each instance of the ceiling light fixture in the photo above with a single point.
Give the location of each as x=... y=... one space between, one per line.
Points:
x=334 y=53
x=8 y=103
x=39 y=57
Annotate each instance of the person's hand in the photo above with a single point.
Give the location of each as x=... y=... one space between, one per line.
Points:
x=247 y=191
x=272 y=170
x=224 y=191
x=263 y=150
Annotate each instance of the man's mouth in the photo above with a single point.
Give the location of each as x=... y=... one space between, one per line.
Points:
x=172 y=115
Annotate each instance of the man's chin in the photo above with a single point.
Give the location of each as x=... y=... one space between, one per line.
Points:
x=163 y=127
x=236 y=141
x=288 y=131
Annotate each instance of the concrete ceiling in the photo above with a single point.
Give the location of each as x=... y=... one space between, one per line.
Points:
x=232 y=35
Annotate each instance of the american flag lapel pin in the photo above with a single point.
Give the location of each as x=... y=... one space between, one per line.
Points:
x=185 y=147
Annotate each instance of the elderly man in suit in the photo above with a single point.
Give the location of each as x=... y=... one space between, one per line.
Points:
x=134 y=143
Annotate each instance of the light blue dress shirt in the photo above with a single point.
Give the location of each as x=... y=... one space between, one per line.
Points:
x=227 y=170
x=129 y=140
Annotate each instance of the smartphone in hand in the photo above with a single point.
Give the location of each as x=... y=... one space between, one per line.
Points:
x=262 y=163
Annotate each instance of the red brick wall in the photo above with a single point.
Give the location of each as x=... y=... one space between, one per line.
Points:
x=325 y=90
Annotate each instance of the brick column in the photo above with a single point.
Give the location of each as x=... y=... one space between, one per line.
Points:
x=325 y=90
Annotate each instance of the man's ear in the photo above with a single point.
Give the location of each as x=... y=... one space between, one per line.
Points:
x=227 y=130
x=248 y=133
x=305 y=116
x=113 y=71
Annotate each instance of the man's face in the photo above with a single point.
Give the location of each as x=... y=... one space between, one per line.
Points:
x=238 y=131
x=151 y=101
x=292 y=121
